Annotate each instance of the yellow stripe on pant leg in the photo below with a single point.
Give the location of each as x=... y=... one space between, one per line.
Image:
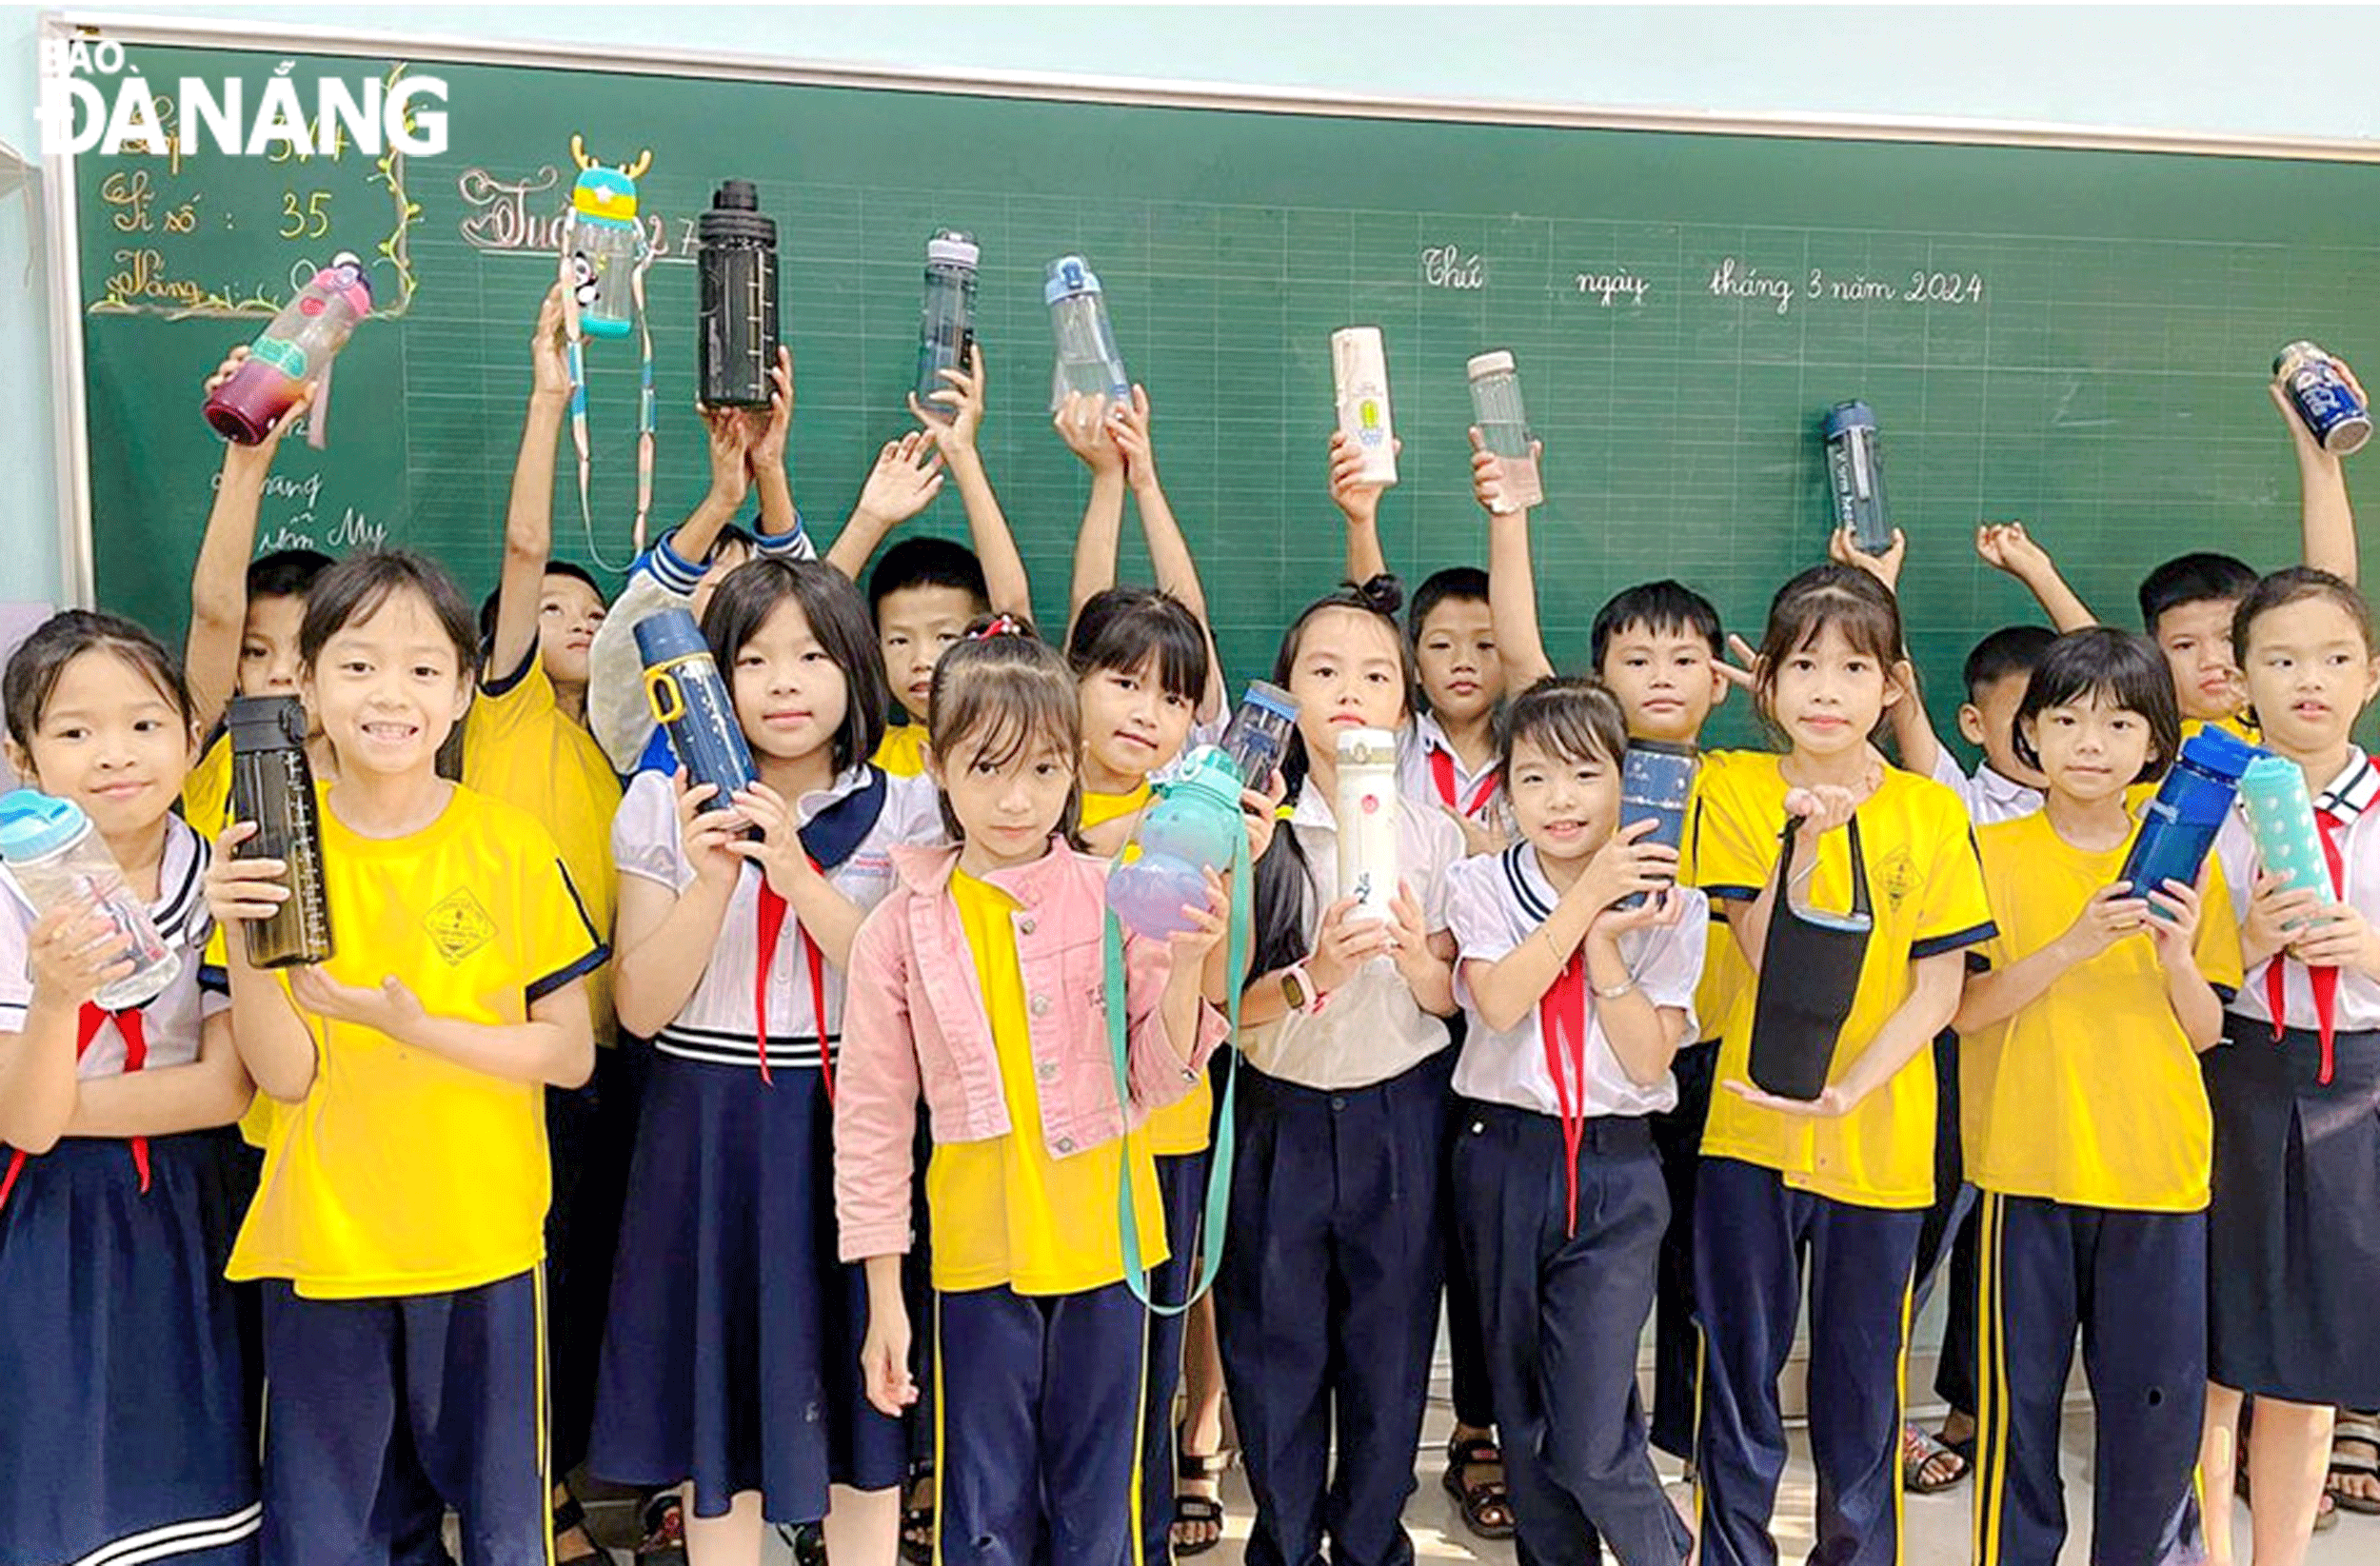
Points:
x=1980 y=1465
x=1901 y=1418
x=1994 y=1334
x=1141 y=1437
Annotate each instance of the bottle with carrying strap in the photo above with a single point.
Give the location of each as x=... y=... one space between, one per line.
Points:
x=692 y=703
x=1810 y=968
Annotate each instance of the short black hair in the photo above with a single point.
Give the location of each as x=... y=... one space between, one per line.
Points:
x=285 y=573
x=1461 y=584
x=1664 y=605
x=750 y=593
x=2199 y=578
x=2290 y=586
x=358 y=585
x=1566 y=716
x=41 y=658
x=927 y=563
x=1122 y=628
x=732 y=534
x=2012 y=649
x=570 y=569
x=2125 y=670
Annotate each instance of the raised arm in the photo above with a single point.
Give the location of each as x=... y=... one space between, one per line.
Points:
x=2006 y=547
x=907 y=476
x=1359 y=502
x=211 y=654
x=1004 y=568
x=1087 y=426
x=2325 y=516
x=1169 y=552
x=530 y=513
x=1511 y=576
x=765 y=454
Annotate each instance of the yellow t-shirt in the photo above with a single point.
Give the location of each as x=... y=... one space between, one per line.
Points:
x=402 y=1173
x=518 y=746
x=1726 y=980
x=2092 y=1094
x=1926 y=894
x=1182 y=1127
x=207 y=791
x=1003 y=1211
x=901 y=753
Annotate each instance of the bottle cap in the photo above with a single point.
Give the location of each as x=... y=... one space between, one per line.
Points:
x=1263 y=693
x=668 y=636
x=734 y=217
x=2294 y=352
x=347 y=278
x=1209 y=772
x=265 y=723
x=1853 y=415
x=953 y=248
x=1494 y=362
x=1367 y=747
x=606 y=195
x=1069 y=276
x=33 y=823
x=2220 y=752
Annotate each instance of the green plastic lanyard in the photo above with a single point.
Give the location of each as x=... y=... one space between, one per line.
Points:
x=1219 y=1169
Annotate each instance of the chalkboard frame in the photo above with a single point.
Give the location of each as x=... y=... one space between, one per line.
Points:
x=61 y=214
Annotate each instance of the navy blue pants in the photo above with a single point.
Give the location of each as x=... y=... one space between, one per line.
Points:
x=378 y=1409
x=1946 y=1240
x=1327 y=1305
x=1564 y=1313
x=1039 y=1403
x=2135 y=1285
x=1676 y=1341
x=1753 y=1235
x=1182 y=1185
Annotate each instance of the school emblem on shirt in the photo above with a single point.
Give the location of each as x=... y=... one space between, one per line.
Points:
x=458 y=925
x=1898 y=874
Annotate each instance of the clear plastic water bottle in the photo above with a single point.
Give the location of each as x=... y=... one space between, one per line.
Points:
x=273 y=784
x=1258 y=736
x=1855 y=473
x=1359 y=378
x=736 y=266
x=605 y=243
x=292 y=353
x=1088 y=358
x=2324 y=398
x=2178 y=828
x=1366 y=820
x=57 y=860
x=1195 y=826
x=946 y=323
x=1657 y=779
x=1503 y=421
x=693 y=705
x=2281 y=822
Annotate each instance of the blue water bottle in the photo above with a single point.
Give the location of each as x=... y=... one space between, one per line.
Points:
x=2178 y=825
x=1856 y=476
x=692 y=703
x=1656 y=781
x=1258 y=736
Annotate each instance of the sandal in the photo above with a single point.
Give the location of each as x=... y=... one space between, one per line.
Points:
x=1930 y=1465
x=1487 y=1505
x=2362 y=1432
x=807 y=1541
x=664 y=1543
x=571 y=1517
x=1201 y=1515
x=917 y=1516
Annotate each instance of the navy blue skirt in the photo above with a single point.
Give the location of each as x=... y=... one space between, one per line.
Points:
x=2294 y=1230
x=731 y=1352
x=128 y=1428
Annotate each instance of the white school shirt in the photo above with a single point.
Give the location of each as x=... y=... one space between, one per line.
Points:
x=1370 y=1028
x=1989 y=796
x=718 y=1024
x=2352 y=797
x=170 y=1022
x=1494 y=902
x=1478 y=796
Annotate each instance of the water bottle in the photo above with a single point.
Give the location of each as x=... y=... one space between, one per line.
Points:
x=946 y=326
x=736 y=261
x=1503 y=421
x=693 y=705
x=273 y=785
x=1087 y=360
x=1855 y=473
x=292 y=353
x=1258 y=736
x=1366 y=812
x=605 y=242
x=2281 y=822
x=1359 y=373
x=2178 y=825
x=56 y=859
x=1655 y=780
x=2326 y=400
x=1194 y=826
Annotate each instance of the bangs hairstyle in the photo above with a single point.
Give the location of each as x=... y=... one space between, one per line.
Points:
x=750 y=593
x=357 y=586
x=1664 y=607
x=2200 y=578
x=927 y=563
x=1284 y=882
x=2115 y=669
x=1843 y=598
x=35 y=667
x=1565 y=716
x=1125 y=628
x=2293 y=586
x=285 y=573
x=2012 y=649
x=1000 y=689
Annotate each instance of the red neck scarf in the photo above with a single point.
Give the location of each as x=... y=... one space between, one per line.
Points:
x=133 y=1026
x=1562 y=1023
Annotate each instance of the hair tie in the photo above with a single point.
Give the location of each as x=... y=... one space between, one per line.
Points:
x=1383 y=594
x=1002 y=623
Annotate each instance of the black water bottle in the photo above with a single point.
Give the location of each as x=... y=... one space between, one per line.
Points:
x=274 y=786
x=737 y=261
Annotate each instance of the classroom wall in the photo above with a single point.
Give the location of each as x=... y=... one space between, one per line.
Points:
x=2272 y=70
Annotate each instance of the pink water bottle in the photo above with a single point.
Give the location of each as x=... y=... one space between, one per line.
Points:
x=292 y=353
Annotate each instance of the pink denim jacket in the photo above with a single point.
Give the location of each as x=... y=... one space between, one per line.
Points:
x=913 y=1023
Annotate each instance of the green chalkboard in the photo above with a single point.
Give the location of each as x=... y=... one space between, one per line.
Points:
x=2077 y=338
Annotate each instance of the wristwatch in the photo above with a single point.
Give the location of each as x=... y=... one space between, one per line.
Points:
x=1297 y=990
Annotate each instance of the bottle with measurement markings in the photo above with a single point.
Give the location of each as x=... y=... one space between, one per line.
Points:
x=946 y=319
x=1503 y=423
x=1088 y=358
x=58 y=859
x=2324 y=398
x=273 y=785
x=736 y=265
x=1855 y=474
x=292 y=353
x=1360 y=377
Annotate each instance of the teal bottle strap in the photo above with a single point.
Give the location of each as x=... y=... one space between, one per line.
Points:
x=1219 y=1168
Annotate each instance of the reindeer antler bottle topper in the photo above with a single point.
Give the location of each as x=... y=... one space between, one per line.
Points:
x=605 y=257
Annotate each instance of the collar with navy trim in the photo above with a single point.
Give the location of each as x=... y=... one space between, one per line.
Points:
x=2353 y=791
x=1525 y=878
